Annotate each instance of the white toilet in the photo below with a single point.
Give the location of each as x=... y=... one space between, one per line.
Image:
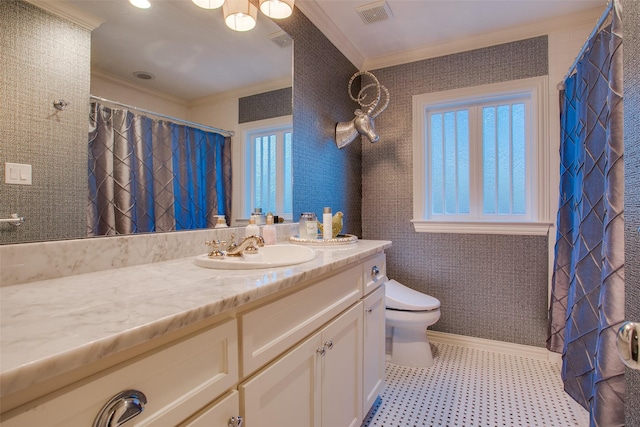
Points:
x=408 y=314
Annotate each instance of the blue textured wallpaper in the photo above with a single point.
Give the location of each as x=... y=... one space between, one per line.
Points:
x=631 y=46
x=323 y=175
x=266 y=105
x=490 y=286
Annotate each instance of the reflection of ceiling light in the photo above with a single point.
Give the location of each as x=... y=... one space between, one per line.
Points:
x=240 y=15
x=208 y=4
x=277 y=9
x=142 y=4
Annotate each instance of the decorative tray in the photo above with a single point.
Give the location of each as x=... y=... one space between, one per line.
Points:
x=340 y=239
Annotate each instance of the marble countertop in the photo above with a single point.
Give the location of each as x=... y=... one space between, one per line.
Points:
x=50 y=327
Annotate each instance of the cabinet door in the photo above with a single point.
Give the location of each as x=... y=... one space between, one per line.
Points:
x=286 y=393
x=342 y=370
x=374 y=357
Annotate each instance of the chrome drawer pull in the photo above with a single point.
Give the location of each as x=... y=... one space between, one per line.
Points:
x=235 y=422
x=329 y=344
x=121 y=408
x=374 y=271
x=321 y=351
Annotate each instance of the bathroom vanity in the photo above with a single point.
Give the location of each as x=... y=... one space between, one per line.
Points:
x=300 y=345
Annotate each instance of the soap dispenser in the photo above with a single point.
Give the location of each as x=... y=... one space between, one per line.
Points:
x=252 y=229
x=269 y=231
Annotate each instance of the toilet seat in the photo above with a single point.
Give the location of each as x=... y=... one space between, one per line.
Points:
x=400 y=297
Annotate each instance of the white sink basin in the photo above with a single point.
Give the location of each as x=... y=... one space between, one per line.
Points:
x=267 y=257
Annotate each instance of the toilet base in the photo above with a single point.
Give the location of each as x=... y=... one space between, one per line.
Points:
x=410 y=347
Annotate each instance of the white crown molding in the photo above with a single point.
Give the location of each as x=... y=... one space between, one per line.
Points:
x=319 y=18
x=68 y=12
x=485 y=40
x=112 y=78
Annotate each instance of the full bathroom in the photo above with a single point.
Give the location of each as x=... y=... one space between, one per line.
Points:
x=492 y=288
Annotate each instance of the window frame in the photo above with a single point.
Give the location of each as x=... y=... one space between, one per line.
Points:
x=247 y=133
x=537 y=222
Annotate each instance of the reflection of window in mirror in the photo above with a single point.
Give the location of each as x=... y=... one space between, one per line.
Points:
x=267 y=167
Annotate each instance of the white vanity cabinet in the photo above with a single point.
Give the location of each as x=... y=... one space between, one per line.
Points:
x=332 y=378
x=317 y=383
x=308 y=355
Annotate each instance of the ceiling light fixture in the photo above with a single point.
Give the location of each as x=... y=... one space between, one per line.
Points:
x=239 y=15
x=242 y=15
x=141 y=4
x=277 y=9
x=209 y=4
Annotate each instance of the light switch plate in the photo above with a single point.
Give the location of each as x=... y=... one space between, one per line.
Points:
x=17 y=173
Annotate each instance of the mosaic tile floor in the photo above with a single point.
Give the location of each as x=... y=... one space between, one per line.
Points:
x=471 y=387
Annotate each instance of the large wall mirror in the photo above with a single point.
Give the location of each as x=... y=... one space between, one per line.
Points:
x=175 y=59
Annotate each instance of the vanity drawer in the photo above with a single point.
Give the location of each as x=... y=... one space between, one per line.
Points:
x=374 y=272
x=218 y=413
x=178 y=380
x=271 y=329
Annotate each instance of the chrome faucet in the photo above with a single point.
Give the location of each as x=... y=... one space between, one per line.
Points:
x=248 y=244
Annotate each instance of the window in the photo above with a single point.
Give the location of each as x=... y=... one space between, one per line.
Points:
x=268 y=167
x=479 y=157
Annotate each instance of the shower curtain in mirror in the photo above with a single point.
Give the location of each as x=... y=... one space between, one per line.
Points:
x=587 y=303
x=154 y=175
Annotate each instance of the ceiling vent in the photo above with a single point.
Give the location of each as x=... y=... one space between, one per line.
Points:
x=281 y=38
x=375 y=12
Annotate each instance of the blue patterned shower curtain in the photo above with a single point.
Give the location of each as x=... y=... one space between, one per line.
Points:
x=587 y=302
x=154 y=175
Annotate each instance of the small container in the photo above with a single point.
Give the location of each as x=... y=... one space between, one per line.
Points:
x=269 y=231
x=258 y=216
x=327 y=228
x=221 y=222
x=252 y=229
x=308 y=228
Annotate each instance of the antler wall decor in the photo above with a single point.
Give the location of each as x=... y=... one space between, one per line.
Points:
x=362 y=123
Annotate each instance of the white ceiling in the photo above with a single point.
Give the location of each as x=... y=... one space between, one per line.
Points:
x=427 y=28
x=189 y=50
x=193 y=54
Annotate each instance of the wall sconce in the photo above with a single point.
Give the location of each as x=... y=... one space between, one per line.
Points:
x=239 y=15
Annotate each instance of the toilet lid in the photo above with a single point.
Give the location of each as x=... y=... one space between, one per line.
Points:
x=400 y=297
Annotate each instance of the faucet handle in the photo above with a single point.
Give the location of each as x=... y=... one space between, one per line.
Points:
x=214 y=251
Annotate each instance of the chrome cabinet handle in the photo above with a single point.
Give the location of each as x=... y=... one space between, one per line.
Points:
x=329 y=344
x=121 y=408
x=374 y=271
x=369 y=310
x=628 y=345
x=235 y=422
x=321 y=351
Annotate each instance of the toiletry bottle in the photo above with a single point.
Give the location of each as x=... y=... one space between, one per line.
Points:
x=259 y=216
x=326 y=224
x=308 y=226
x=269 y=231
x=221 y=222
x=252 y=229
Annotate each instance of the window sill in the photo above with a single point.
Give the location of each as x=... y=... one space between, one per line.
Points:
x=513 y=228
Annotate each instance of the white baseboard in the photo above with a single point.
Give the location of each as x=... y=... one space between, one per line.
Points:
x=531 y=352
